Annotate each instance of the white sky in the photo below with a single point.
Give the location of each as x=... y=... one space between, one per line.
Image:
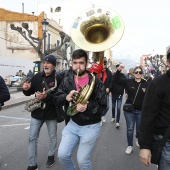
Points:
x=147 y=22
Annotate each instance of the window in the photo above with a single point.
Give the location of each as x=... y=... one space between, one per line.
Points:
x=58 y=42
x=51 y=10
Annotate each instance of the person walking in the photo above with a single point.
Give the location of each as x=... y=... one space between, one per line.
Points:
x=117 y=92
x=106 y=79
x=155 y=119
x=84 y=126
x=38 y=85
x=30 y=75
x=135 y=89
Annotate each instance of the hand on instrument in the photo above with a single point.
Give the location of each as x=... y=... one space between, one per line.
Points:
x=81 y=107
x=40 y=95
x=26 y=85
x=69 y=97
x=145 y=156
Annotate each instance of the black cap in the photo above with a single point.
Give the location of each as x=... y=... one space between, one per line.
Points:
x=51 y=59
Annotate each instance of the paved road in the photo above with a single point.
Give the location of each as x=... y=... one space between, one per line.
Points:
x=109 y=151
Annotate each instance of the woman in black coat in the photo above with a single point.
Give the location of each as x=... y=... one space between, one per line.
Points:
x=135 y=90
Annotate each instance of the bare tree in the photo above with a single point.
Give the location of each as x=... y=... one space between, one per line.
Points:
x=27 y=34
x=156 y=61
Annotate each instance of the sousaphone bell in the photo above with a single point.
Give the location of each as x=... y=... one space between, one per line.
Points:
x=95 y=30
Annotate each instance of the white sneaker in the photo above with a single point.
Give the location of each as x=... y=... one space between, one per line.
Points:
x=117 y=125
x=129 y=150
x=113 y=120
x=103 y=119
x=137 y=144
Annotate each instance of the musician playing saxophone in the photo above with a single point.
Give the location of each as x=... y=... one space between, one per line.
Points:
x=38 y=85
x=84 y=126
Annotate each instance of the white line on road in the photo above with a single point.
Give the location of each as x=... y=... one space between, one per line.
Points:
x=15 y=125
x=10 y=117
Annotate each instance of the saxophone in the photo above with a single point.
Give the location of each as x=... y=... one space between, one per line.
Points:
x=35 y=103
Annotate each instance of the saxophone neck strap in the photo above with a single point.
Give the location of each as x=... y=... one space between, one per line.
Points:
x=46 y=86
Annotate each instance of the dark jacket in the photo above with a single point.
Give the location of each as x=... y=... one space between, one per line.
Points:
x=131 y=87
x=37 y=84
x=96 y=105
x=116 y=88
x=65 y=73
x=4 y=92
x=107 y=82
x=156 y=110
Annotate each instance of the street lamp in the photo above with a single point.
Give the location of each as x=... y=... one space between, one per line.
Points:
x=45 y=28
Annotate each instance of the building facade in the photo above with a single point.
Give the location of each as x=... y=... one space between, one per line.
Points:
x=21 y=36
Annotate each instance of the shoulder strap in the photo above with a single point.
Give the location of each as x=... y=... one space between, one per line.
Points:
x=136 y=93
x=52 y=88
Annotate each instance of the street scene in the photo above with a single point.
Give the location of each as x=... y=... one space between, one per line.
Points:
x=109 y=152
x=84 y=85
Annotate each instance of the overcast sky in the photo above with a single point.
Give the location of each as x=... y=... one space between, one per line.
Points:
x=147 y=22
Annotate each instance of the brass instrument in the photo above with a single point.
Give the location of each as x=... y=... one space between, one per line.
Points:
x=95 y=30
x=82 y=96
x=35 y=103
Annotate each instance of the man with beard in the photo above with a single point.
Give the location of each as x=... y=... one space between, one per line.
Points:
x=38 y=85
x=83 y=127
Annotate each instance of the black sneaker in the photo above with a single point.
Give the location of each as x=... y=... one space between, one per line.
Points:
x=33 y=167
x=50 y=161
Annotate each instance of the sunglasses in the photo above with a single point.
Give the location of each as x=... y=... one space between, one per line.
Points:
x=138 y=72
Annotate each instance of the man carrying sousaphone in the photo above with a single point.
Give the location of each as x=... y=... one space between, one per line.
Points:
x=42 y=111
x=85 y=112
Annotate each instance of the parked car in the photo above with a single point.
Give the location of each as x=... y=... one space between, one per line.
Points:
x=16 y=81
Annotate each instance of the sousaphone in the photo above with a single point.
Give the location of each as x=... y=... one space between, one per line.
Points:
x=95 y=30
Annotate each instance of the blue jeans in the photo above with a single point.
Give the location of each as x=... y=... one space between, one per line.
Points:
x=164 y=163
x=132 y=118
x=116 y=99
x=107 y=108
x=73 y=134
x=35 y=127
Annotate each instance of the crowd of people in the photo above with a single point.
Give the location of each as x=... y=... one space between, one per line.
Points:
x=147 y=119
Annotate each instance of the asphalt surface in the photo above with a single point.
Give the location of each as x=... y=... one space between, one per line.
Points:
x=108 y=153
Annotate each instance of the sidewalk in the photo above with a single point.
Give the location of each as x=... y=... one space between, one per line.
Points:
x=16 y=99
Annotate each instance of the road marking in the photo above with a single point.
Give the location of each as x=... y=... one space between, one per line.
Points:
x=10 y=117
x=15 y=125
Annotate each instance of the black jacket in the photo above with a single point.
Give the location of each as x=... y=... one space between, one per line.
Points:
x=131 y=87
x=107 y=82
x=96 y=105
x=156 y=110
x=37 y=84
x=4 y=92
x=116 y=88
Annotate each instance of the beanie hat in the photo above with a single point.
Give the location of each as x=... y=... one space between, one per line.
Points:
x=51 y=59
